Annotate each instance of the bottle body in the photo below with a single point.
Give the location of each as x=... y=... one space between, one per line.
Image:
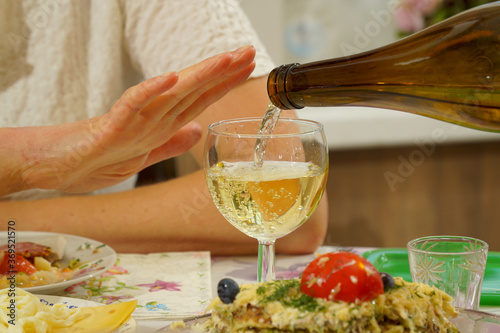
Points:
x=450 y=71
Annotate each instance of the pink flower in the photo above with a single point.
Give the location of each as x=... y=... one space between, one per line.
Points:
x=115 y=270
x=112 y=299
x=410 y=14
x=426 y=7
x=71 y=289
x=409 y=20
x=162 y=285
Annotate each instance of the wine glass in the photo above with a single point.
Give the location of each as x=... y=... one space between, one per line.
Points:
x=268 y=195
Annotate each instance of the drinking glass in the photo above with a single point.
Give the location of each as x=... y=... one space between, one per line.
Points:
x=269 y=194
x=454 y=264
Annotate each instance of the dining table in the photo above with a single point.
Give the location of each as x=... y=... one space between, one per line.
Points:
x=175 y=286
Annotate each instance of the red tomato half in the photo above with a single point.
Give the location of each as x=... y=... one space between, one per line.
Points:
x=20 y=265
x=342 y=276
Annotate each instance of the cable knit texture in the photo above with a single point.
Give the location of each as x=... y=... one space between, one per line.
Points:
x=64 y=61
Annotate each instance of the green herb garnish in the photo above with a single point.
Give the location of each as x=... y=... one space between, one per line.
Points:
x=287 y=292
x=304 y=303
x=74 y=263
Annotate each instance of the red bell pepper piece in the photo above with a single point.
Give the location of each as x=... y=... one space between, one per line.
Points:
x=16 y=265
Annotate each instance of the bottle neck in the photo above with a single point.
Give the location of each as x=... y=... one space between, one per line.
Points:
x=277 y=87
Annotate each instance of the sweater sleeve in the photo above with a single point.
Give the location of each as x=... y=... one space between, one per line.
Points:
x=163 y=36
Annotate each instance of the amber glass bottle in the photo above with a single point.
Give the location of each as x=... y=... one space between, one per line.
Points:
x=449 y=71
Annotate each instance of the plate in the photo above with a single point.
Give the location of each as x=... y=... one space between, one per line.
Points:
x=469 y=321
x=190 y=325
x=395 y=262
x=130 y=326
x=80 y=248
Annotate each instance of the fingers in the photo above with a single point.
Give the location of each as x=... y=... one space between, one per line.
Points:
x=203 y=74
x=196 y=80
x=197 y=102
x=178 y=144
x=242 y=58
x=170 y=95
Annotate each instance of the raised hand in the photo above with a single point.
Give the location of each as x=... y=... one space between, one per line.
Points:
x=149 y=123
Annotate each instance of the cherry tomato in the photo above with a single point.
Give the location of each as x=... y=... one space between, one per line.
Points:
x=342 y=276
x=20 y=263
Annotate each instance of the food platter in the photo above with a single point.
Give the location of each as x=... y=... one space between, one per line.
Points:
x=129 y=326
x=395 y=262
x=94 y=257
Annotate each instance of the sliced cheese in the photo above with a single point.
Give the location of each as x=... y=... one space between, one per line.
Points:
x=101 y=319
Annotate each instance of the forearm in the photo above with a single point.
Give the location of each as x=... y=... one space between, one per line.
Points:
x=11 y=152
x=171 y=216
x=178 y=215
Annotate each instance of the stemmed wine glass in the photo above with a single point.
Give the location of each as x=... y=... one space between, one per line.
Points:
x=266 y=185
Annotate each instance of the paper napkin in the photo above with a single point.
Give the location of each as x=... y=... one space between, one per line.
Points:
x=169 y=286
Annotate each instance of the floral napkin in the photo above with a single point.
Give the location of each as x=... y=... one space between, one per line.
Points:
x=169 y=286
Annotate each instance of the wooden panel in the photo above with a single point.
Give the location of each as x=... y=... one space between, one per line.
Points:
x=385 y=197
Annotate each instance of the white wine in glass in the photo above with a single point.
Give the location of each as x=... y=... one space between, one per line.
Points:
x=269 y=199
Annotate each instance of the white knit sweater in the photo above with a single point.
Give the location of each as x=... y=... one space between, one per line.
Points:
x=67 y=60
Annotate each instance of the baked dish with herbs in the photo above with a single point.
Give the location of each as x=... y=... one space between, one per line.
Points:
x=338 y=292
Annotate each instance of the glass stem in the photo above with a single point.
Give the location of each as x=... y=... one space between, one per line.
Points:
x=266 y=268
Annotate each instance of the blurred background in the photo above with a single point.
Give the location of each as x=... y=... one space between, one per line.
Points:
x=448 y=176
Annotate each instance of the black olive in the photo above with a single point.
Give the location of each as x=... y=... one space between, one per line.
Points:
x=227 y=289
x=388 y=281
